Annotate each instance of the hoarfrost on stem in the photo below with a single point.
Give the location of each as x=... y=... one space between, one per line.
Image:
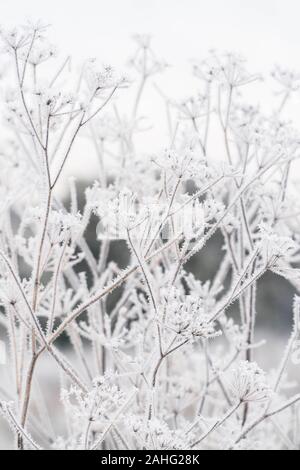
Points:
x=152 y=357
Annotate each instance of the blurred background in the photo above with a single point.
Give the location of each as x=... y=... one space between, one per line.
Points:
x=266 y=32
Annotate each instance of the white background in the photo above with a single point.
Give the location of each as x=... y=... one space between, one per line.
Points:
x=266 y=31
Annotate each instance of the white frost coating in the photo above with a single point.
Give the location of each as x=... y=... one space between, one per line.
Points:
x=158 y=359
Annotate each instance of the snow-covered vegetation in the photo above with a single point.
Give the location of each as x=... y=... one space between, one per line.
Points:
x=147 y=356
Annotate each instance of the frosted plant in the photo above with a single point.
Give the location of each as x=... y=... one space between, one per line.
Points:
x=248 y=383
x=161 y=353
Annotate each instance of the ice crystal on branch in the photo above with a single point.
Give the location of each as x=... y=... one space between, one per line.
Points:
x=248 y=383
x=130 y=306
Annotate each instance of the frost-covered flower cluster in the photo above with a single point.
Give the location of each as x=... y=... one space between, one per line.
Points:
x=187 y=318
x=249 y=384
x=122 y=330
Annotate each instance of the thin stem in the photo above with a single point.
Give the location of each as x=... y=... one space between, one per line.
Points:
x=217 y=424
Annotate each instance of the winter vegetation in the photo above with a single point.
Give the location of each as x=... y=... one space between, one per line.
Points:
x=145 y=356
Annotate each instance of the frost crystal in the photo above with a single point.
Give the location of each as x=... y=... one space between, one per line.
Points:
x=133 y=306
x=248 y=383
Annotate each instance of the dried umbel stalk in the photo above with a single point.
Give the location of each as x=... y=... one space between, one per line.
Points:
x=152 y=357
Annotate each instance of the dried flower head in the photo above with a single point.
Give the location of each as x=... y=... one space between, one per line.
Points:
x=248 y=383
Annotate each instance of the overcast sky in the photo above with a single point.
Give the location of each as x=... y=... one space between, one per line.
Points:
x=263 y=30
